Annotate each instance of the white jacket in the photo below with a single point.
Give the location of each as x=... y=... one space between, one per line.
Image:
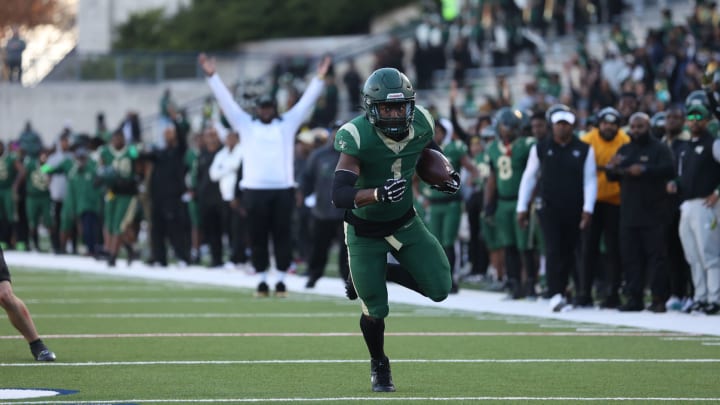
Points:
x=224 y=170
x=269 y=148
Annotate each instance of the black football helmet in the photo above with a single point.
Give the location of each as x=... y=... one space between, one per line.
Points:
x=657 y=124
x=389 y=85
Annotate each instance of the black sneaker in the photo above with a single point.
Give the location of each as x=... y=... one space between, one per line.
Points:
x=311 y=282
x=610 y=302
x=44 y=355
x=657 y=307
x=454 y=288
x=280 y=290
x=380 y=376
x=698 y=307
x=631 y=306
x=350 y=292
x=262 y=290
x=712 y=308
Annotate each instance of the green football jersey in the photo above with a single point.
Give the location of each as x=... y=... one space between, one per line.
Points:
x=82 y=189
x=509 y=162
x=37 y=181
x=454 y=151
x=120 y=161
x=381 y=158
x=7 y=170
x=482 y=163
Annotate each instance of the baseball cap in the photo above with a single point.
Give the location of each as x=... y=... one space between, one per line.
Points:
x=562 y=115
x=698 y=109
x=266 y=100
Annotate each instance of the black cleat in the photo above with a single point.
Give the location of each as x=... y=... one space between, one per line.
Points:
x=312 y=280
x=610 y=302
x=280 y=290
x=262 y=290
x=380 y=376
x=631 y=306
x=350 y=292
x=44 y=355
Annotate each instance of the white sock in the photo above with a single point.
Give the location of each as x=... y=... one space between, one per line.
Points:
x=281 y=276
x=263 y=276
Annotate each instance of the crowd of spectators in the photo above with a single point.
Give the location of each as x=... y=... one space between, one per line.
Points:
x=669 y=77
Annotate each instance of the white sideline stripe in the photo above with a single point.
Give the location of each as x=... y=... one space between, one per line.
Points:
x=209 y=315
x=380 y=398
x=346 y=361
x=120 y=300
x=344 y=334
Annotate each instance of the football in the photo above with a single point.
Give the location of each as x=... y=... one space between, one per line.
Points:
x=433 y=167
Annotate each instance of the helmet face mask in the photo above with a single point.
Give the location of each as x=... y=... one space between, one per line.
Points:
x=389 y=86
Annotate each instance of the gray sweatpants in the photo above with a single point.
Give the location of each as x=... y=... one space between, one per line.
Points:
x=700 y=237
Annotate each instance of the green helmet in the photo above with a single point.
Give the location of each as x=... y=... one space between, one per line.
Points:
x=389 y=85
x=697 y=97
x=508 y=117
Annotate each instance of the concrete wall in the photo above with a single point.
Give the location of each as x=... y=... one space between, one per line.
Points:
x=50 y=105
x=97 y=19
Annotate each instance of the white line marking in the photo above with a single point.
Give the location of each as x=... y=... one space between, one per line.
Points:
x=120 y=300
x=346 y=361
x=378 y=398
x=204 y=315
x=347 y=334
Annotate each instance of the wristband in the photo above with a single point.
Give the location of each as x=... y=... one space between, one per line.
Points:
x=375 y=194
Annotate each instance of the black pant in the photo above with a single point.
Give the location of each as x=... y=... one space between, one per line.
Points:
x=169 y=221
x=236 y=227
x=606 y=224
x=562 y=235
x=90 y=231
x=477 y=251
x=211 y=220
x=14 y=70
x=324 y=231
x=270 y=213
x=644 y=256
x=678 y=268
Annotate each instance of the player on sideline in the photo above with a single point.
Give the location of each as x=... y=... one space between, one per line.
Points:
x=378 y=154
x=20 y=316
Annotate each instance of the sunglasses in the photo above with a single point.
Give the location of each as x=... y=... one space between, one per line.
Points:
x=695 y=117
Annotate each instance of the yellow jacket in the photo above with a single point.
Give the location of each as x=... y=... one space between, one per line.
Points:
x=608 y=192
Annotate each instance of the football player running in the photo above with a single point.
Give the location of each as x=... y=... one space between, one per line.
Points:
x=378 y=154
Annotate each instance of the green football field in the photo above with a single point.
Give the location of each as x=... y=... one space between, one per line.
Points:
x=124 y=340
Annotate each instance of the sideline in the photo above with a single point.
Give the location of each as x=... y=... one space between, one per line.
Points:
x=467 y=300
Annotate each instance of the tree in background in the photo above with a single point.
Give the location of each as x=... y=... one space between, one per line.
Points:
x=27 y=13
x=215 y=25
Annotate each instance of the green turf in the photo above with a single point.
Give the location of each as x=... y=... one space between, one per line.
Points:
x=106 y=308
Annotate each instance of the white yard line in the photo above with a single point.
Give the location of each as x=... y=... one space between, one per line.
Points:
x=345 y=361
x=378 y=398
x=467 y=300
x=343 y=334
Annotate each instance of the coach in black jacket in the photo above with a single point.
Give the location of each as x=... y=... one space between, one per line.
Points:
x=643 y=167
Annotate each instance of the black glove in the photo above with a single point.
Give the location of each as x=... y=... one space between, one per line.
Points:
x=392 y=191
x=451 y=186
